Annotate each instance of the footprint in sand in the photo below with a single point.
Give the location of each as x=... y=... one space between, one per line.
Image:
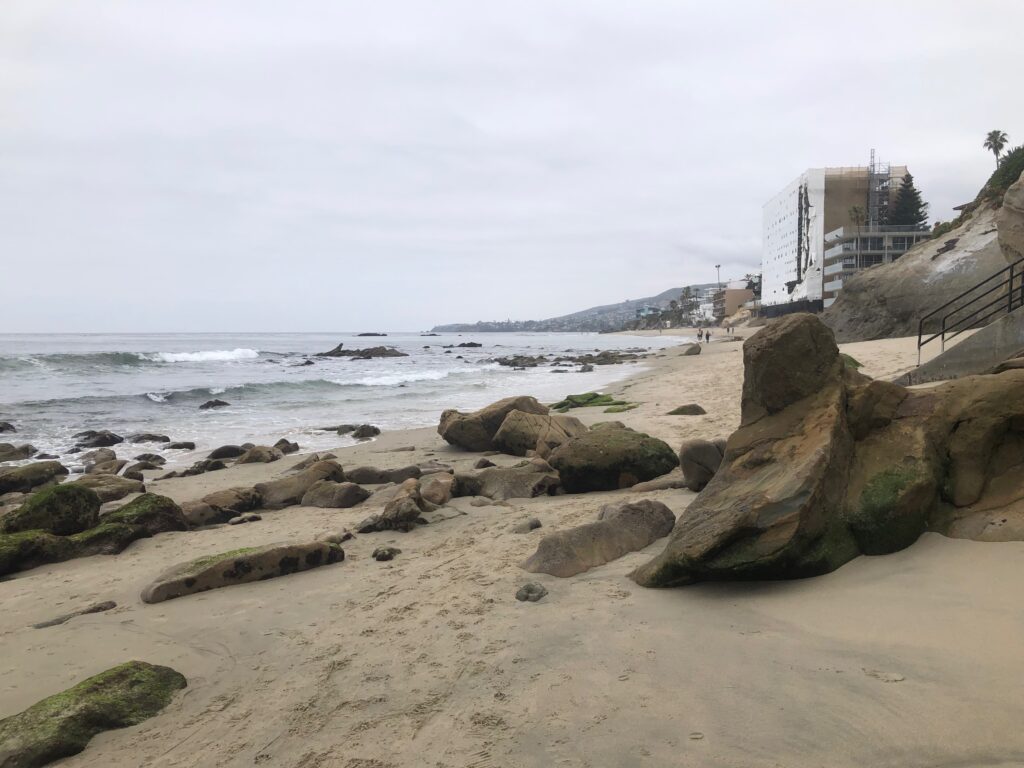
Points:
x=885 y=677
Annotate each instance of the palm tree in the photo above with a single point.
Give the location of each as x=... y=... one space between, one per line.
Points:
x=994 y=142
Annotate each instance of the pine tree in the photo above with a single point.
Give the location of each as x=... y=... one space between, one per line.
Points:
x=908 y=208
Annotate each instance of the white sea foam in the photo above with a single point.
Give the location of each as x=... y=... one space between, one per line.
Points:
x=393 y=379
x=210 y=355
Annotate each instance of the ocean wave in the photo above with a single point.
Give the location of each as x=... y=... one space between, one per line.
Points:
x=204 y=356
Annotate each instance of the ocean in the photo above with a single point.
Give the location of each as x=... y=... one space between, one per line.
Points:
x=54 y=385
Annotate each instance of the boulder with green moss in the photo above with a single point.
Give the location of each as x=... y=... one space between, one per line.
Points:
x=28 y=477
x=61 y=509
x=609 y=459
x=110 y=487
x=586 y=400
x=63 y=724
x=240 y=566
x=828 y=464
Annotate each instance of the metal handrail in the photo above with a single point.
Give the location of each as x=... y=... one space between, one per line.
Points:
x=1012 y=301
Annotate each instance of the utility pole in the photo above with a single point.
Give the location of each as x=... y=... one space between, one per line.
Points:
x=718 y=271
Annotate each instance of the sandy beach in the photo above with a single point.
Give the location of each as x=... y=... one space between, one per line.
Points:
x=910 y=659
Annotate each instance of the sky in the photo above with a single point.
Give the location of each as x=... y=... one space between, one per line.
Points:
x=326 y=165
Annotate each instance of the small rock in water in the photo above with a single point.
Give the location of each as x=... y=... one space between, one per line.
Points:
x=527 y=525
x=184 y=445
x=531 y=592
x=381 y=554
x=365 y=431
x=213 y=404
x=6 y=426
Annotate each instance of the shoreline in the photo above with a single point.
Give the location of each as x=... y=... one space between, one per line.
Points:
x=429 y=660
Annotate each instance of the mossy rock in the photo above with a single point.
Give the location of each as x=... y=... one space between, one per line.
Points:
x=609 y=459
x=29 y=549
x=61 y=510
x=892 y=511
x=28 y=477
x=622 y=408
x=585 y=400
x=153 y=512
x=63 y=724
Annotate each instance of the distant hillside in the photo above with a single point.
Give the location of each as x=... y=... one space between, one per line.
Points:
x=609 y=317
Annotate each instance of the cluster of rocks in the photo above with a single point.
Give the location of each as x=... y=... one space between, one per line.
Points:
x=246 y=453
x=362 y=354
x=357 y=431
x=587 y=361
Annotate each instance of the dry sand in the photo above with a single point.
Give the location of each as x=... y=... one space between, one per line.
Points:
x=912 y=659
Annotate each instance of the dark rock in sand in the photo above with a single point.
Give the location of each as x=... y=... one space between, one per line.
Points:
x=61 y=510
x=109 y=487
x=63 y=724
x=201 y=467
x=475 y=431
x=382 y=554
x=690 y=349
x=690 y=409
x=526 y=526
x=240 y=566
x=215 y=403
x=112 y=467
x=374 y=476
x=483 y=463
x=620 y=529
x=226 y=452
x=610 y=459
x=234 y=501
x=27 y=477
x=531 y=592
x=329 y=494
x=365 y=431
x=45 y=456
x=183 y=445
x=94 y=608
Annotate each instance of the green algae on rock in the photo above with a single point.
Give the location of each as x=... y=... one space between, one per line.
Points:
x=60 y=509
x=63 y=724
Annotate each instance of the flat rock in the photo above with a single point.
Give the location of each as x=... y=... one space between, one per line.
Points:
x=94 y=608
x=110 y=487
x=330 y=494
x=531 y=592
x=239 y=567
x=289 y=491
x=620 y=529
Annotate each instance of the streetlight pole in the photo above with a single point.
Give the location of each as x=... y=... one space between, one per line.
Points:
x=718 y=271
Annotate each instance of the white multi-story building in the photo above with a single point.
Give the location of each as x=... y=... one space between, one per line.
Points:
x=795 y=221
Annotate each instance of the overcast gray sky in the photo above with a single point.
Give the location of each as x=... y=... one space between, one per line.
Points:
x=202 y=165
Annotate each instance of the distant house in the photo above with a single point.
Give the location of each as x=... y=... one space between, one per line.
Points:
x=647 y=311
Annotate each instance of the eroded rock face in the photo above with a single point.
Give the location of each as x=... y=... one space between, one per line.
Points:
x=63 y=724
x=239 y=567
x=620 y=528
x=521 y=432
x=609 y=459
x=475 y=431
x=1010 y=222
x=260 y=454
x=828 y=464
x=332 y=495
x=500 y=483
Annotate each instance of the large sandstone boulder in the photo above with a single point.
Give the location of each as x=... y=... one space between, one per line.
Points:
x=620 y=528
x=63 y=724
x=239 y=567
x=289 y=491
x=828 y=464
x=609 y=459
x=62 y=510
x=375 y=476
x=438 y=487
x=11 y=452
x=888 y=300
x=521 y=432
x=475 y=431
x=234 y=501
x=700 y=460
x=260 y=454
x=30 y=476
